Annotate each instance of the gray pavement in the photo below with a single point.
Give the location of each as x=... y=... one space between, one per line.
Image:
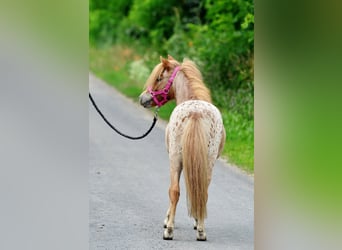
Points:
x=128 y=186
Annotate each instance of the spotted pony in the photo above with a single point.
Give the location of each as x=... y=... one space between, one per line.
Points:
x=194 y=136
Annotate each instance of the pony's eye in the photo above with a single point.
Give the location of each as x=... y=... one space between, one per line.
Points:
x=159 y=79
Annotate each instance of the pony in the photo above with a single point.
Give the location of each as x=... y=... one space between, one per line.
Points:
x=194 y=136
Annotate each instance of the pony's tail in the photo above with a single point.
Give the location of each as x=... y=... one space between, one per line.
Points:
x=195 y=164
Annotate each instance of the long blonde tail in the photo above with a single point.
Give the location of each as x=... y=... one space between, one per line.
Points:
x=195 y=164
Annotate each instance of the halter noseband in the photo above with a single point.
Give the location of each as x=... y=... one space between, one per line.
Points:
x=163 y=92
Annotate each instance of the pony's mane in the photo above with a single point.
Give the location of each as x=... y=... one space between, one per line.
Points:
x=198 y=89
x=195 y=81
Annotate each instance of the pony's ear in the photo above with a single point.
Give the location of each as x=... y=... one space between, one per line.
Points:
x=165 y=62
x=170 y=57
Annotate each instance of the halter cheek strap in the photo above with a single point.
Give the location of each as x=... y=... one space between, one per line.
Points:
x=165 y=91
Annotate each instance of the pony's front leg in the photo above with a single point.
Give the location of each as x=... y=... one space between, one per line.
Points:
x=167 y=217
x=195 y=223
x=174 y=197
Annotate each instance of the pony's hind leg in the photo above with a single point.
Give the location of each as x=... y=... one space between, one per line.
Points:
x=199 y=223
x=174 y=197
x=201 y=234
x=199 y=226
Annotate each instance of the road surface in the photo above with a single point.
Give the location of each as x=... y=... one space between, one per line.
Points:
x=129 y=180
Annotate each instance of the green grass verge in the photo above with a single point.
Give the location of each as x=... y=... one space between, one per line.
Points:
x=114 y=66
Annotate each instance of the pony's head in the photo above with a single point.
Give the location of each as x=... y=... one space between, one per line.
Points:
x=157 y=90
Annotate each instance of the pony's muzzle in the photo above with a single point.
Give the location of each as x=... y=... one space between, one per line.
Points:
x=146 y=100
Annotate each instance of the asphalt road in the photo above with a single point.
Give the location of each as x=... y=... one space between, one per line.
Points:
x=129 y=180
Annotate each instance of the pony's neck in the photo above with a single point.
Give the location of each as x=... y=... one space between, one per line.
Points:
x=182 y=89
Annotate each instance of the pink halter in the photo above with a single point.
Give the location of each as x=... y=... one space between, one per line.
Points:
x=165 y=91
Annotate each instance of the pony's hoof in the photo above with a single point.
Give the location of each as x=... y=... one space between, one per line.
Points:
x=167 y=238
x=201 y=236
x=168 y=234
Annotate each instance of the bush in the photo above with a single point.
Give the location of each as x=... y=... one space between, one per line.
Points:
x=104 y=18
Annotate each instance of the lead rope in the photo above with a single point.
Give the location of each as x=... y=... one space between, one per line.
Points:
x=155 y=118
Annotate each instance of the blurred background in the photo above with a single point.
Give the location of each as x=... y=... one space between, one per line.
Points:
x=127 y=37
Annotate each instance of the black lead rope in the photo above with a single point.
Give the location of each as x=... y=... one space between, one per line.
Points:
x=116 y=130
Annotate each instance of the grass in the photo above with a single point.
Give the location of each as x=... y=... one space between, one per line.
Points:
x=118 y=66
x=111 y=65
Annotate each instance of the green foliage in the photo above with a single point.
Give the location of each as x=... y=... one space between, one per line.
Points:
x=150 y=21
x=230 y=45
x=104 y=17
